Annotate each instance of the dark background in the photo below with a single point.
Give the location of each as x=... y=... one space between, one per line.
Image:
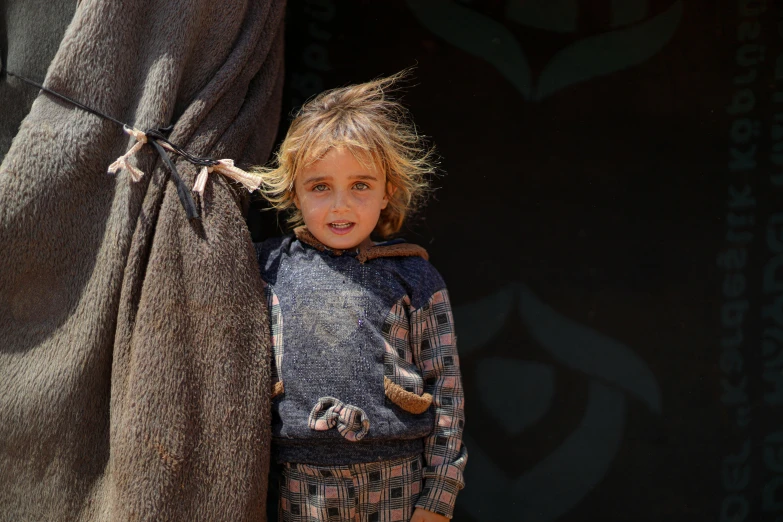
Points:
x=615 y=303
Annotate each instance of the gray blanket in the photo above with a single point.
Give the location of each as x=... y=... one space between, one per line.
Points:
x=133 y=342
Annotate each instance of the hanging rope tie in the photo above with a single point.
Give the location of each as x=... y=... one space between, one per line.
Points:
x=122 y=161
x=208 y=165
x=159 y=140
x=227 y=168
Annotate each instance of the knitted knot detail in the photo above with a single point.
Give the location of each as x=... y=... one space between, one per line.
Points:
x=351 y=422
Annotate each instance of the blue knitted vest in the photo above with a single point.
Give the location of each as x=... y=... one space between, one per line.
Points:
x=334 y=311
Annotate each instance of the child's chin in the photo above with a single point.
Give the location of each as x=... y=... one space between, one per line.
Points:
x=338 y=242
x=347 y=244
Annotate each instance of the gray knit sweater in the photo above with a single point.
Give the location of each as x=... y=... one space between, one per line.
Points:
x=365 y=361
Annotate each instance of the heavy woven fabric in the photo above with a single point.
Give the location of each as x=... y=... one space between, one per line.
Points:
x=134 y=344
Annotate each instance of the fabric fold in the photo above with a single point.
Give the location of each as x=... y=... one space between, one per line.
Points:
x=135 y=346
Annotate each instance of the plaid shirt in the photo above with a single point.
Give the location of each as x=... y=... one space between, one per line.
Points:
x=423 y=342
x=420 y=355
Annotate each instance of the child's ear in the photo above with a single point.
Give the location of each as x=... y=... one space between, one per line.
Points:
x=390 y=190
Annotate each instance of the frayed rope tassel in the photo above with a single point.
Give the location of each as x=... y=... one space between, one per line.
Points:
x=224 y=166
x=227 y=168
x=122 y=162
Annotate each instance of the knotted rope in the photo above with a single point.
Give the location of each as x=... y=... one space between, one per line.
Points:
x=158 y=138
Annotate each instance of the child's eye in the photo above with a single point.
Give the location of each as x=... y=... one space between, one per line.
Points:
x=362 y=186
x=319 y=188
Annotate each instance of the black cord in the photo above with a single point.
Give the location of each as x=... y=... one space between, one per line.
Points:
x=184 y=194
x=157 y=135
x=66 y=98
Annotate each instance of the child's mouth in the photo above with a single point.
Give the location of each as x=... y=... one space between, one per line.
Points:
x=341 y=227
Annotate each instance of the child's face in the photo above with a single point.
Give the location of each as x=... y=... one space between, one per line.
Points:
x=340 y=199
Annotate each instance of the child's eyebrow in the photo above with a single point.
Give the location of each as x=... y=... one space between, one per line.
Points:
x=364 y=176
x=315 y=179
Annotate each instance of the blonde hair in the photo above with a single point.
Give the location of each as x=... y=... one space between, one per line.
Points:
x=375 y=128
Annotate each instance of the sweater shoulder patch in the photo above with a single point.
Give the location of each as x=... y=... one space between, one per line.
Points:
x=268 y=254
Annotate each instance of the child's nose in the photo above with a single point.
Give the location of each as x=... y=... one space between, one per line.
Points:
x=341 y=200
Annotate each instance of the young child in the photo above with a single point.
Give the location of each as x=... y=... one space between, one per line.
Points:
x=367 y=395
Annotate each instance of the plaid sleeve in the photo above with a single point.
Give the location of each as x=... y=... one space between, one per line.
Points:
x=276 y=327
x=435 y=353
